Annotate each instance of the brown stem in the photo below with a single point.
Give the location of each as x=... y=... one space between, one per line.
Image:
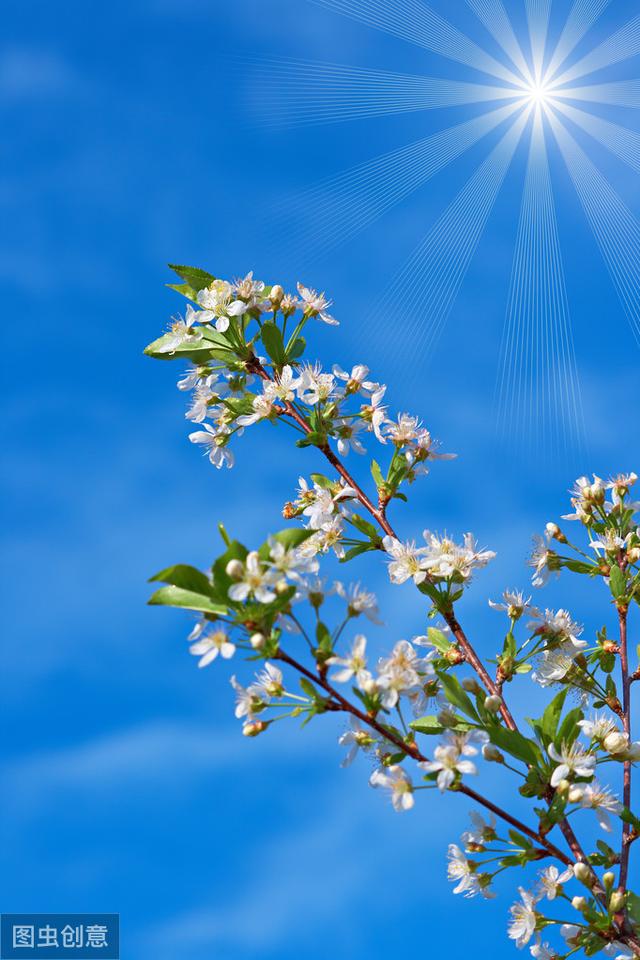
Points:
x=626 y=724
x=412 y=750
x=461 y=638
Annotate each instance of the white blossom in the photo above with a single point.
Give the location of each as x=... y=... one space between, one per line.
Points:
x=219 y=304
x=359 y=601
x=213 y=438
x=447 y=765
x=395 y=779
x=542 y=951
x=247 y=700
x=355 y=382
x=256 y=581
x=554 y=665
x=202 y=394
x=461 y=872
x=598 y=727
x=347 y=436
x=209 y=646
x=316 y=305
x=481 y=832
x=551 y=881
x=292 y=563
x=543 y=561
x=398 y=673
x=191 y=378
x=314 y=386
x=284 y=387
x=601 y=799
x=445 y=559
x=356 y=738
x=262 y=409
x=352 y=665
x=571 y=758
x=513 y=603
x=269 y=682
x=406 y=561
x=523 y=918
x=374 y=413
x=182 y=330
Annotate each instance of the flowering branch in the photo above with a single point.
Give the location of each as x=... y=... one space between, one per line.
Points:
x=246 y=603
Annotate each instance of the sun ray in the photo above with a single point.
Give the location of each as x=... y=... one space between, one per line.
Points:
x=538 y=13
x=537 y=390
x=615 y=228
x=622 y=45
x=420 y=296
x=310 y=92
x=620 y=93
x=344 y=204
x=495 y=18
x=618 y=140
x=415 y=22
x=582 y=17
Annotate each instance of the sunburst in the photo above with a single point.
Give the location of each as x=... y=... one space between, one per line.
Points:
x=537 y=86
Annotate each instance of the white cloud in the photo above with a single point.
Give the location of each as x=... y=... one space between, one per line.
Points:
x=28 y=74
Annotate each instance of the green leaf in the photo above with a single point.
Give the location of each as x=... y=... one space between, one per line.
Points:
x=427 y=725
x=519 y=840
x=196 y=278
x=617 y=582
x=182 y=575
x=364 y=526
x=456 y=695
x=185 y=289
x=376 y=473
x=296 y=349
x=221 y=579
x=569 y=728
x=198 y=351
x=551 y=716
x=273 y=342
x=356 y=551
x=290 y=538
x=633 y=906
x=172 y=596
x=515 y=744
x=438 y=640
x=323 y=638
x=309 y=688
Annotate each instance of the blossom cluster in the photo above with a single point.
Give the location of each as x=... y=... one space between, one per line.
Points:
x=430 y=714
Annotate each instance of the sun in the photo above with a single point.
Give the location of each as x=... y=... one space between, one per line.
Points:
x=539 y=94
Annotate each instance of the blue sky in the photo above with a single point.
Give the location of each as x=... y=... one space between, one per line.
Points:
x=134 y=137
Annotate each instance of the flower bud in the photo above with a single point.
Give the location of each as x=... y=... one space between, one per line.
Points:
x=492 y=754
x=576 y=794
x=579 y=903
x=370 y=687
x=454 y=655
x=563 y=788
x=633 y=554
x=471 y=685
x=582 y=872
x=493 y=703
x=616 y=901
x=616 y=742
x=234 y=569
x=257 y=641
x=253 y=727
x=555 y=533
x=608 y=879
x=276 y=295
x=281 y=587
